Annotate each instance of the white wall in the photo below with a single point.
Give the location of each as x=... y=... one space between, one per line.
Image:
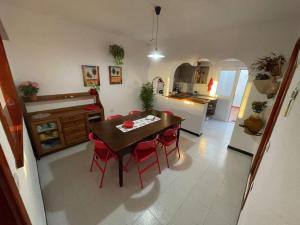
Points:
x=274 y=198
x=244 y=43
x=50 y=51
x=26 y=178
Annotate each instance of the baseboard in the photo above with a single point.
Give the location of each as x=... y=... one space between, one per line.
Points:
x=191 y=132
x=240 y=150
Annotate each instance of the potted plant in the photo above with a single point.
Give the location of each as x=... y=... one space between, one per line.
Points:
x=258 y=107
x=118 y=53
x=268 y=71
x=147 y=96
x=29 y=89
x=255 y=123
x=270 y=64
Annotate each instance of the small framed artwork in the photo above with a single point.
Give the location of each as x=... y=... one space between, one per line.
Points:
x=91 y=76
x=115 y=75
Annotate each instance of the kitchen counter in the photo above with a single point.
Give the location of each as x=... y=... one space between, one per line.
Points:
x=193 y=111
x=202 y=99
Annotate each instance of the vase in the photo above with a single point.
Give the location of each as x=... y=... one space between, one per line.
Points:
x=93 y=92
x=33 y=97
x=268 y=87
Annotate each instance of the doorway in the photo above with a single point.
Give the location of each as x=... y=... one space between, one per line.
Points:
x=238 y=95
x=232 y=83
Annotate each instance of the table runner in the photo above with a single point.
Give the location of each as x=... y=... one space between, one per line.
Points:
x=139 y=123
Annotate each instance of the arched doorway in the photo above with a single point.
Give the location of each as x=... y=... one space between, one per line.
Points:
x=232 y=82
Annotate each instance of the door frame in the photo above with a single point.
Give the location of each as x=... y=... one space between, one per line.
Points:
x=235 y=83
x=11 y=193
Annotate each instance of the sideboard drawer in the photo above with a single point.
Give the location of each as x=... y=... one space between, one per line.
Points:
x=72 y=118
x=75 y=123
x=74 y=129
x=75 y=137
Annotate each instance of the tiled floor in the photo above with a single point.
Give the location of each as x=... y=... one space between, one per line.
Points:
x=204 y=187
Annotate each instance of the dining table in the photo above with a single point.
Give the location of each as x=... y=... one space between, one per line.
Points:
x=122 y=143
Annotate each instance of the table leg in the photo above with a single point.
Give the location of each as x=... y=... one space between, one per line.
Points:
x=120 y=170
x=178 y=136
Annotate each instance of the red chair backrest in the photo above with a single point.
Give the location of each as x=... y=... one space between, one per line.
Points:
x=133 y=112
x=98 y=143
x=168 y=113
x=170 y=132
x=114 y=117
x=143 y=145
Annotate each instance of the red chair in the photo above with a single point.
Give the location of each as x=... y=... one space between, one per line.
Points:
x=134 y=112
x=101 y=154
x=114 y=117
x=143 y=151
x=169 y=113
x=168 y=138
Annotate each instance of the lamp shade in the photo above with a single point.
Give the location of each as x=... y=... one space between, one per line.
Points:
x=156 y=55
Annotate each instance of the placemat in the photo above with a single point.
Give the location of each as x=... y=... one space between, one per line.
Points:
x=138 y=123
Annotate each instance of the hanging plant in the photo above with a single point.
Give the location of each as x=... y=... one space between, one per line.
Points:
x=270 y=64
x=118 y=53
x=268 y=70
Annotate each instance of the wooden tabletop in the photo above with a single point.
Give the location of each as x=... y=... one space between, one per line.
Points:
x=118 y=140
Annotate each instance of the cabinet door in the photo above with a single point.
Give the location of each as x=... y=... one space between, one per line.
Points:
x=48 y=135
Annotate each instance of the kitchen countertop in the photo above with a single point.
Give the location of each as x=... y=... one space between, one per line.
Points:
x=202 y=99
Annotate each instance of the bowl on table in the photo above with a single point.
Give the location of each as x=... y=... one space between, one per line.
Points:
x=128 y=124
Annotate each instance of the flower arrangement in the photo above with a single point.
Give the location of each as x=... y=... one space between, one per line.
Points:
x=29 y=88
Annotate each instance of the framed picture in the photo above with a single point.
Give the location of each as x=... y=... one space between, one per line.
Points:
x=91 y=75
x=201 y=73
x=115 y=75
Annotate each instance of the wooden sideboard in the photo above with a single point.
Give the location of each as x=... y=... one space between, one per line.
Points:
x=56 y=129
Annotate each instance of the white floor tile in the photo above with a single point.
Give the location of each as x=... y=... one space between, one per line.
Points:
x=147 y=219
x=203 y=187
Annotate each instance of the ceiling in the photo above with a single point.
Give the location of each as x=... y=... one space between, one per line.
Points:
x=178 y=17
